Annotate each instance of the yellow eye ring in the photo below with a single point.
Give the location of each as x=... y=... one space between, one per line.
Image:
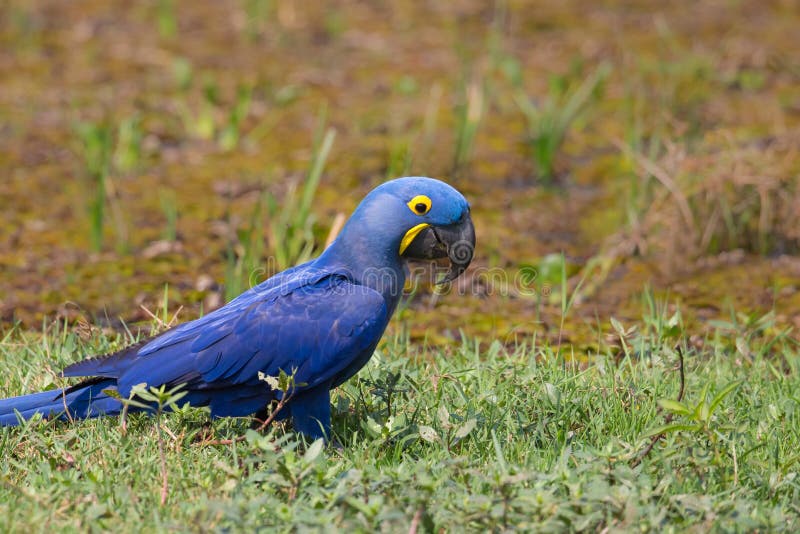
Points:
x=420 y=204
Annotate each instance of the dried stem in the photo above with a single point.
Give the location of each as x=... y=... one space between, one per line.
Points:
x=668 y=419
x=262 y=426
x=412 y=529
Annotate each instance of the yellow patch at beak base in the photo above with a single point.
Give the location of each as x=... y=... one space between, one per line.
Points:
x=410 y=235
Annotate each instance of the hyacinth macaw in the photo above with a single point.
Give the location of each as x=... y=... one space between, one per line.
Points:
x=321 y=320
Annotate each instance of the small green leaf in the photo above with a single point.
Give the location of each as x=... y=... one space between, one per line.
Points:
x=674 y=406
x=313 y=451
x=727 y=390
x=113 y=393
x=702 y=406
x=136 y=404
x=672 y=427
x=360 y=506
x=704 y=413
x=373 y=426
x=464 y=430
x=674 y=320
x=172 y=397
x=444 y=415
x=552 y=392
x=428 y=434
x=742 y=348
x=141 y=391
x=617 y=326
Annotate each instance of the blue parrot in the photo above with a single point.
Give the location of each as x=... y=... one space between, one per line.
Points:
x=320 y=320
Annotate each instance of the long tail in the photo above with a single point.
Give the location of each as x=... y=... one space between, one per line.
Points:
x=82 y=401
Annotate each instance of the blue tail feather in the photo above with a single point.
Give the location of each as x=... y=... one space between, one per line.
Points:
x=82 y=401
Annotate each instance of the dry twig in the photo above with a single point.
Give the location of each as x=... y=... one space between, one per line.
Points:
x=668 y=419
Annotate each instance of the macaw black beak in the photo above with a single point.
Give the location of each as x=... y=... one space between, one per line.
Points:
x=455 y=242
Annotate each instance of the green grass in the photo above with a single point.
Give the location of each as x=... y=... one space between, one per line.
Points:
x=105 y=154
x=169 y=209
x=244 y=266
x=166 y=19
x=258 y=13
x=551 y=119
x=230 y=134
x=489 y=438
x=289 y=226
x=128 y=150
x=207 y=116
x=468 y=111
x=291 y=218
x=96 y=145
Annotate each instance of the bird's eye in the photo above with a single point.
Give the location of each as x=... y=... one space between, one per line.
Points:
x=420 y=204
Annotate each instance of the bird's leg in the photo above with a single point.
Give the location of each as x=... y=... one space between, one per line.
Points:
x=311 y=412
x=258 y=424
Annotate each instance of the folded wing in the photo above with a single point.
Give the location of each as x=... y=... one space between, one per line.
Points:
x=323 y=329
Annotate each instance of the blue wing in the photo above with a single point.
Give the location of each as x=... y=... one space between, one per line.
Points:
x=320 y=325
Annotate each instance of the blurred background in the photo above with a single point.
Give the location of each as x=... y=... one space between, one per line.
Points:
x=623 y=159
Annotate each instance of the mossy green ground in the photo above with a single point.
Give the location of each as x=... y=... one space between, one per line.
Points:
x=210 y=105
x=463 y=438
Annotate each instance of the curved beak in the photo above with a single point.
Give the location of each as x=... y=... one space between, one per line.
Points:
x=455 y=242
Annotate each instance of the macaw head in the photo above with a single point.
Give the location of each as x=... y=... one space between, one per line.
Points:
x=417 y=218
